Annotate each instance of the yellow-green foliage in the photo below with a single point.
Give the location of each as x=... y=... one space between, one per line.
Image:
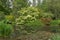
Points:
x=33 y=11
x=9 y=17
x=27 y=14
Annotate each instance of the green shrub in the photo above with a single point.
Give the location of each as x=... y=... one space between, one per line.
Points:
x=27 y=14
x=33 y=11
x=5 y=29
x=55 y=25
x=31 y=26
x=34 y=25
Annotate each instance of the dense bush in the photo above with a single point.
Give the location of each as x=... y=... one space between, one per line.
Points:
x=29 y=17
x=30 y=27
x=31 y=14
x=27 y=14
x=34 y=25
x=5 y=29
x=55 y=25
